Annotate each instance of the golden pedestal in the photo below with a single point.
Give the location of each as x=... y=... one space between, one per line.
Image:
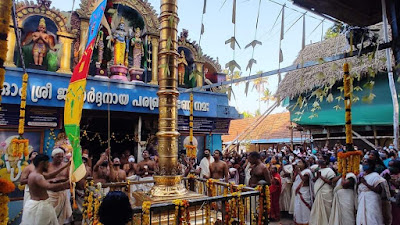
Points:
x=140 y=197
x=165 y=217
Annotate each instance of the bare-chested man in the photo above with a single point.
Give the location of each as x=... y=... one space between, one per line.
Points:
x=60 y=199
x=101 y=171
x=118 y=175
x=130 y=168
x=30 y=168
x=146 y=169
x=38 y=210
x=219 y=169
x=259 y=171
x=24 y=175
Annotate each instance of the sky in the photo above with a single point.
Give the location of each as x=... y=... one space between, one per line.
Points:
x=218 y=28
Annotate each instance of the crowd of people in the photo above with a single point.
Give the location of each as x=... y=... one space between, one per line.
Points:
x=304 y=183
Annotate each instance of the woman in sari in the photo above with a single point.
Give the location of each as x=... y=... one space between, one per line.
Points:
x=323 y=193
x=302 y=193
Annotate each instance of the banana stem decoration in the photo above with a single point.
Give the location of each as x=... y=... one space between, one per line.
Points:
x=347 y=82
x=348 y=161
x=191 y=148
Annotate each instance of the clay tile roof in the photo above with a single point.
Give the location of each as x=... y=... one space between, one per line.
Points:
x=274 y=126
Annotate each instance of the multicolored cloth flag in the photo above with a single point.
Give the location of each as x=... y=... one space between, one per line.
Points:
x=75 y=96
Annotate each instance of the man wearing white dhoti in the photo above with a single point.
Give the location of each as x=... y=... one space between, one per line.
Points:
x=205 y=164
x=323 y=193
x=286 y=192
x=370 y=188
x=39 y=210
x=146 y=170
x=301 y=201
x=344 y=203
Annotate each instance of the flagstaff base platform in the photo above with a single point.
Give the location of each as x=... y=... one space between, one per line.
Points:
x=140 y=197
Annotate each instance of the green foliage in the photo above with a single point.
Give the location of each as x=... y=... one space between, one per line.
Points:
x=247 y=115
x=334 y=30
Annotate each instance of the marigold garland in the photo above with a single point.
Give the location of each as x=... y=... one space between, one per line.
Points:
x=349 y=162
x=264 y=203
x=21 y=124
x=5 y=7
x=4 y=209
x=97 y=202
x=191 y=151
x=19 y=147
x=208 y=213
x=182 y=213
x=146 y=213
x=212 y=191
x=6 y=187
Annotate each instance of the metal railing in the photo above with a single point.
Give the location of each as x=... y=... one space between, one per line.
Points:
x=215 y=203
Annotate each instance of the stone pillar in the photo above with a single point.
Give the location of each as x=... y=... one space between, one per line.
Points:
x=10 y=48
x=65 y=61
x=83 y=37
x=154 y=60
x=199 y=79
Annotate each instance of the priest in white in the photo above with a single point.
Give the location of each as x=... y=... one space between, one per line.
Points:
x=205 y=164
x=323 y=193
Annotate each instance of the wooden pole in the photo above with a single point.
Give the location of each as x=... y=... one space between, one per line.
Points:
x=291 y=135
x=375 y=135
x=392 y=84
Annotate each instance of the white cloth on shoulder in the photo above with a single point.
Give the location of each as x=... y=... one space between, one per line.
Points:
x=286 y=191
x=62 y=205
x=323 y=192
x=369 y=203
x=300 y=210
x=39 y=213
x=344 y=203
x=205 y=166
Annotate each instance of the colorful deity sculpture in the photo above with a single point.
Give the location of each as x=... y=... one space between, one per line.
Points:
x=41 y=42
x=120 y=40
x=182 y=64
x=138 y=51
x=12 y=162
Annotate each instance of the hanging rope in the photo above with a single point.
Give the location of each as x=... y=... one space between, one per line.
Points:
x=254 y=43
x=202 y=21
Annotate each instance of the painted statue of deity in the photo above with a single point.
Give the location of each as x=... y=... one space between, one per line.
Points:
x=120 y=40
x=138 y=51
x=41 y=42
x=182 y=63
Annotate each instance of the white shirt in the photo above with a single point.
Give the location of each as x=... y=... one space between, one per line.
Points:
x=205 y=166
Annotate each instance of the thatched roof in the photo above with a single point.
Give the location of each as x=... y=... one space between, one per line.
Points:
x=304 y=80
